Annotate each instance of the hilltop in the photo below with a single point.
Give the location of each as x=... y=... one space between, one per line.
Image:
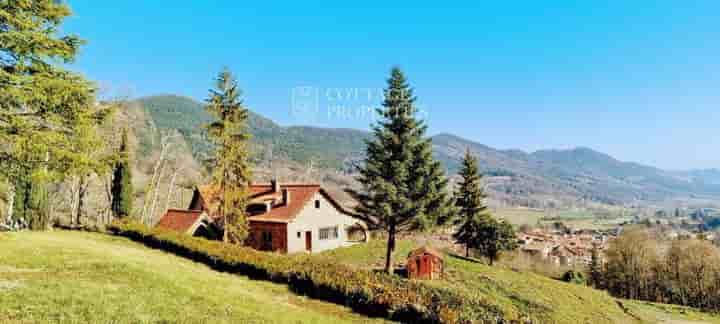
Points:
x=563 y=177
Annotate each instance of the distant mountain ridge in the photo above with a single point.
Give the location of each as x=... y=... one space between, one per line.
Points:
x=579 y=173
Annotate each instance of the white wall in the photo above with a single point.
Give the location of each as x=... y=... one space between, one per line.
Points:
x=312 y=219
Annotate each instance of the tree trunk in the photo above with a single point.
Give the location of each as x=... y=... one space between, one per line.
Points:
x=389 y=266
x=82 y=191
x=73 y=200
x=467 y=251
x=11 y=201
x=171 y=187
x=109 y=196
x=156 y=195
x=223 y=214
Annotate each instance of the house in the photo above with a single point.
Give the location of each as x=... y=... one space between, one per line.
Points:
x=425 y=263
x=191 y=222
x=289 y=218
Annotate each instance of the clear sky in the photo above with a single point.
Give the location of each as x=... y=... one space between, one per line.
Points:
x=636 y=79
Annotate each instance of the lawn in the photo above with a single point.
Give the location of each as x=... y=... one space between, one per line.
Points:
x=547 y=300
x=73 y=277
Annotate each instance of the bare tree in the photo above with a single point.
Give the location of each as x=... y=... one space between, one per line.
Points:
x=151 y=196
x=171 y=186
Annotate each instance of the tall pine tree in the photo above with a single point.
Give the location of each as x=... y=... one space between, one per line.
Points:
x=231 y=165
x=41 y=103
x=470 y=200
x=477 y=228
x=121 y=188
x=403 y=187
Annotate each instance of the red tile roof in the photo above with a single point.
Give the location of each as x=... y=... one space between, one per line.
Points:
x=180 y=220
x=300 y=195
x=425 y=250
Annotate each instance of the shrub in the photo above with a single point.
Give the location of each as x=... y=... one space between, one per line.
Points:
x=370 y=293
x=575 y=277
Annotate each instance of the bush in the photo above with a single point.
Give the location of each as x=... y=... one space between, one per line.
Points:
x=370 y=293
x=575 y=277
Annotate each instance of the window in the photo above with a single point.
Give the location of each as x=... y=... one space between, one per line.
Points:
x=299 y=234
x=317 y=204
x=329 y=233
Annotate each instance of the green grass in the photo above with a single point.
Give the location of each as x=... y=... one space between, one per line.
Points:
x=73 y=277
x=546 y=300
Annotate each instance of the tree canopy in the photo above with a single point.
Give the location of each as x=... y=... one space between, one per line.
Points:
x=45 y=110
x=231 y=165
x=403 y=187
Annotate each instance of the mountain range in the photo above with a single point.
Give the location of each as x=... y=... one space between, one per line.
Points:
x=546 y=175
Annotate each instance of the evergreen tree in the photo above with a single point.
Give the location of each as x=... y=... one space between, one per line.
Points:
x=404 y=188
x=41 y=104
x=121 y=188
x=470 y=200
x=231 y=165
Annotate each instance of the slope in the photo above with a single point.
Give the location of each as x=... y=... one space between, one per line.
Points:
x=516 y=292
x=78 y=277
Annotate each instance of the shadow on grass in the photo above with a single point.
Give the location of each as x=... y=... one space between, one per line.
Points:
x=464 y=258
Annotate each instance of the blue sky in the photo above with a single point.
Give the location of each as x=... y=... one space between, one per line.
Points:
x=636 y=79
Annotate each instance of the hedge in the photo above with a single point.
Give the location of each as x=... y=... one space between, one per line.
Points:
x=370 y=293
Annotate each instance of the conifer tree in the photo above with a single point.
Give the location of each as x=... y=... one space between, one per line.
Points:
x=41 y=104
x=403 y=187
x=470 y=200
x=477 y=228
x=231 y=165
x=121 y=188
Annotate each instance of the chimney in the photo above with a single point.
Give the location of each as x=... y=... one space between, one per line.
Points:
x=275 y=186
x=286 y=196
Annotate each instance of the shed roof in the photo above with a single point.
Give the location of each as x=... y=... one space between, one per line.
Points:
x=425 y=250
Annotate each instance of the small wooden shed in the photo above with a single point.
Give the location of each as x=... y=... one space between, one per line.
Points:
x=425 y=263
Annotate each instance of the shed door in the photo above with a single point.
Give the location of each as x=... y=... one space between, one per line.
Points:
x=308 y=241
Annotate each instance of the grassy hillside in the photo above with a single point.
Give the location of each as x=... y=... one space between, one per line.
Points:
x=73 y=277
x=547 y=300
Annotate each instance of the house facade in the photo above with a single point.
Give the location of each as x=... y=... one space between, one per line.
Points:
x=290 y=218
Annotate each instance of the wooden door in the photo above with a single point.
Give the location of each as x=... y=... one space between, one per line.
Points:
x=308 y=241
